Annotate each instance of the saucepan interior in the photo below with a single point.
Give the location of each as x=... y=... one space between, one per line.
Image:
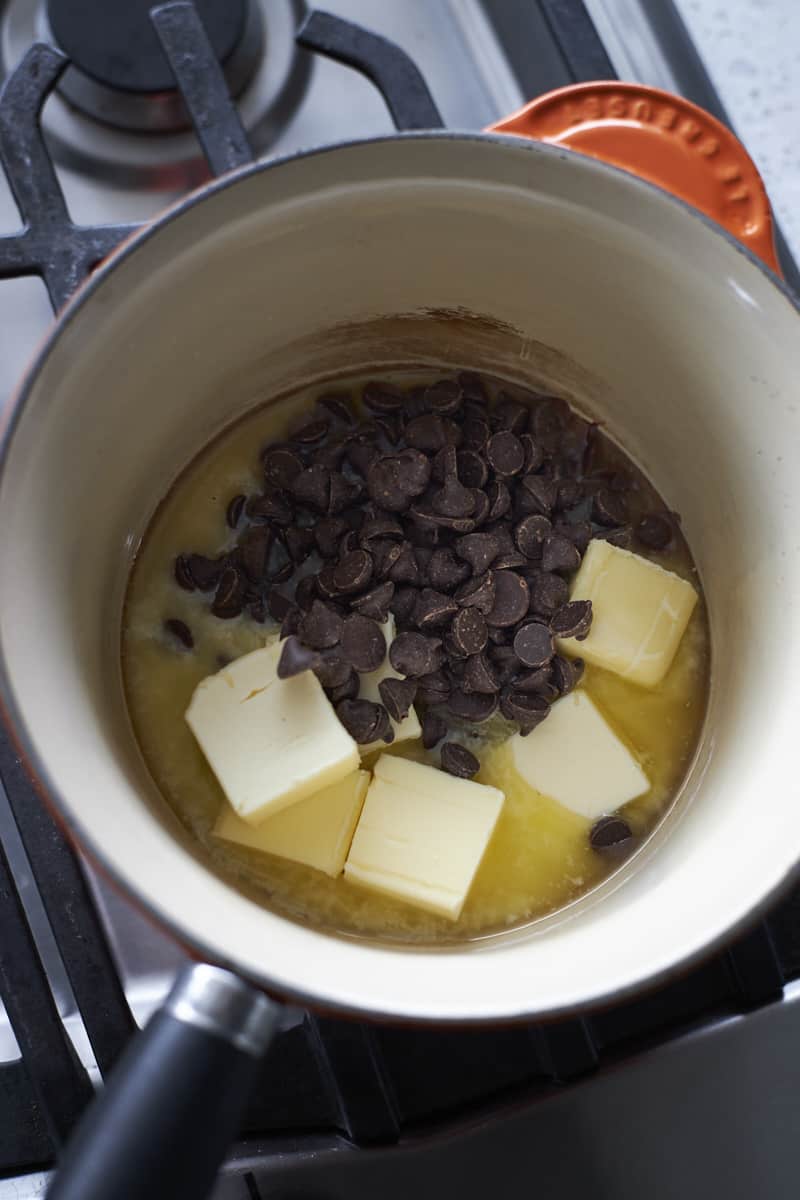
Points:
x=488 y=253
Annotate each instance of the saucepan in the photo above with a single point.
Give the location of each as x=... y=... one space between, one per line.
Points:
x=516 y=256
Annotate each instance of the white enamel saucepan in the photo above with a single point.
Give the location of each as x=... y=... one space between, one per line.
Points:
x=487 y=251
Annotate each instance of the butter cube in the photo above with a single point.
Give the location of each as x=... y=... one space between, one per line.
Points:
x=409 y=727
x=270 y=742
x=639 y=613
x=576 y=759
x=316 y=831
x=422 y=834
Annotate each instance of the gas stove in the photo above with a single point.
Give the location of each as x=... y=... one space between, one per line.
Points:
x=617 y=1101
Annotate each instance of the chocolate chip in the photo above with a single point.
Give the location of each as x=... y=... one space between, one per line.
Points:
x=337 y=404
x=434 y=728
x=281 y=466
x=426 y=433
x=472 y=470
x=332 y=671
x=444 y=571
x=621 y=536
x=330 y=455
x=312 y=488
x=382 y=398
x=530 y=533
x=535 y=494
x=432 y=608
x=349 y=543
x=402 y=603
x=305 y=592
x=505 y=453
x=529 y=709
x=511 y=599
x=278 y=604
x=321 y=627
x=458 y=761
x=348 y=690
x=479 y=550
x=573 y=620
x=364 y=721
x=533 y=644
x=205 y=573
x=298 y=542
x=362 y=643
x=566 y=673
x=578 y=532
x=384 y=556
x=424 y=517
x=480 y=676
x=415 y=470
x=233 y=513
x=376 y=602
x=254 y=549
x=548 y=593
x=453 y=499
x=475 y=433
x=478 y=593
x=327 y=534
x=230 y=594
x=397 y=695
x=444 y=397
x=182 y=573
x=180 y=631
x=387 y=485
x=534 y=454
x=654 y=532
x=531 y=681
x=271 y=506
x=381 y=526
x=257 y=608
x=560 y=554
x=472 y=706
x=343 y=492
x=414 y=654
x=512 y=560
x=404 y=567
x=609 y=508
x=361 y=454
x=548 y=419
x=510 y=414
x=499 y=498
x=610 y=833
x=353 y=572
x=312 y=433
x=295 y=658
x=469 y=631
x=290 y=623
x=433 y=688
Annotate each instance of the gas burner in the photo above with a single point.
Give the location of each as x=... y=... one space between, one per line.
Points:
x=119 y=73
x=117 y=115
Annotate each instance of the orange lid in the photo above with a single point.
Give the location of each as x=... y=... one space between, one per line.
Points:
x=662 y=138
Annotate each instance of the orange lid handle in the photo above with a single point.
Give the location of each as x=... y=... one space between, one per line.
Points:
x=664 y=139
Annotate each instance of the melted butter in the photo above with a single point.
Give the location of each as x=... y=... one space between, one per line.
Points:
x=539 y=858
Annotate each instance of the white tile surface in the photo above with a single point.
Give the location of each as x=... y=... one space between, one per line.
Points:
x=751 y=49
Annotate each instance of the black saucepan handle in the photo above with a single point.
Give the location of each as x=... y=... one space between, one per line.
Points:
x=174 y=1102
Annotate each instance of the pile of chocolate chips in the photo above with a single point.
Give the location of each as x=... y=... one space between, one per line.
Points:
x=464 y=519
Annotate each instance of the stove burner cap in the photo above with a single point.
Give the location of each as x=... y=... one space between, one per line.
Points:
x=120 y=74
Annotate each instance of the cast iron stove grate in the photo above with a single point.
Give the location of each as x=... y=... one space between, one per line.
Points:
x=323 y=1079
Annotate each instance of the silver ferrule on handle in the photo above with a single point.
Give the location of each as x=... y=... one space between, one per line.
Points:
x=220 y=1002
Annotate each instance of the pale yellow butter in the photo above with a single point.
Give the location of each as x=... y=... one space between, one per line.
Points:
x=369 y=689
x=639 y=613
x=576 y=759
x=270 y=742
x=316 y=831
x=422 y=834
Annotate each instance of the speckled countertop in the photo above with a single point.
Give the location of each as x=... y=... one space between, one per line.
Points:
x=751 y=49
